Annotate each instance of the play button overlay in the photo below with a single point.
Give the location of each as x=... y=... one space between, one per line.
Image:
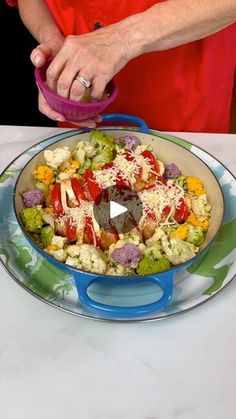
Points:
x=118 y=209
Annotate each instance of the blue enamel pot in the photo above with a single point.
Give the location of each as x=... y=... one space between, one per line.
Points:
x=167 y=151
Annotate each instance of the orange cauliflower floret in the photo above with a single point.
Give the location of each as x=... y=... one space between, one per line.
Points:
x=195 y=185
x=192 y=219
x=181 y=232
x=44 y=174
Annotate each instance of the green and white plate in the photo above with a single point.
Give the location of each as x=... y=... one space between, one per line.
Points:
x=192 y=286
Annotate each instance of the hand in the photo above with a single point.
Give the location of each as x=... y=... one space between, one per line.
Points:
x=50 y=113
x=38 y=57
x=97 y=56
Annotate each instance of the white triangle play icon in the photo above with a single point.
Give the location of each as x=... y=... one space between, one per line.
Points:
x=116 y=209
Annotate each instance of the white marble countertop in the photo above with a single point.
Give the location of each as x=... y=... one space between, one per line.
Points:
x=57 y=366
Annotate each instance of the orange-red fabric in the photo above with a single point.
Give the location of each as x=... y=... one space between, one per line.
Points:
x=188 y=88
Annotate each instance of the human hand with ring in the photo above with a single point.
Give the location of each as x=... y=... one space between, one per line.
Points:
x=88 y=61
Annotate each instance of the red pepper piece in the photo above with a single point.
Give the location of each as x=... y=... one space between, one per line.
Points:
x=120 y=181
x=89 y=232
x=128 y=156
x=147 y=154
x=56 y=199
x=78 y=189
x=182 y=212
x=166 y=210
x=92 y=185
x=71 y=230
x=107 y=165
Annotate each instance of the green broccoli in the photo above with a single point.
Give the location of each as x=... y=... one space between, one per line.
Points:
x=46 y=235
x=32 y=219
x=148 y=266
x=104 y=146
x=105 y=157
x=181 y=181
x=195 y=235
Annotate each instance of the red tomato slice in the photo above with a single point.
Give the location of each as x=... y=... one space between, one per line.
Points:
x=56 y=199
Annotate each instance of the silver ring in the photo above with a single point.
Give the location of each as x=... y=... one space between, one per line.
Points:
x=83 y=81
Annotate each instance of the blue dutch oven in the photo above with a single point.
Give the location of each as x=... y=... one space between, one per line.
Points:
x=166 y=151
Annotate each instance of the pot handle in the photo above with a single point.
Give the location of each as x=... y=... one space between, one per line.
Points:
x=110 y=117
x=165 y=282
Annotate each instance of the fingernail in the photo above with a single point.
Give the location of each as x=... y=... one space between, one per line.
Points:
x=37 y=60
x=91 y=125
x=60 y=119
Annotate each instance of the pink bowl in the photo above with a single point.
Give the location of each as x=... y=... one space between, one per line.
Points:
x=71 y=109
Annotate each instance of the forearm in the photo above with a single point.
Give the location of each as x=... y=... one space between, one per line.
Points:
x=37 y=18
x=175 y=22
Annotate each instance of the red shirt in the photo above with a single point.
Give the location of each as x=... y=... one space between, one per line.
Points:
x=187 y=88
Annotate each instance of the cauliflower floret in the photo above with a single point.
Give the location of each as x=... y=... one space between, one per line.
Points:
x=59 y=241
x=153 y=251
x=88 y=258
x=117 y=269
x=56 y=157
x=59 y=254
x=201 y=207
x=155 y=237
x=178 y=251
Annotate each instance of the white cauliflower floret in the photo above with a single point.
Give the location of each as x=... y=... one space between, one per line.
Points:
x=55 y=157
x=140 y=148
x=63 y=176
x=59 y=241
x=117 y=269
x=178 y=251
x=158 y=233
x=87 y=258
x=201 y=207
x=59 y=254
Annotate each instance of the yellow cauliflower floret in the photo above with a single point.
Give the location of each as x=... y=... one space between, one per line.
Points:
x=69 y=166
x=52 y=247
x=195 y=185
x=181 y=232
x=192 y=219
x=44 y=174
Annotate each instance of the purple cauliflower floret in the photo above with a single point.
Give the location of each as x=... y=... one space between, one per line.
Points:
x=32 y=198
x=171 y=171
x=128 y=255
x=129 y=142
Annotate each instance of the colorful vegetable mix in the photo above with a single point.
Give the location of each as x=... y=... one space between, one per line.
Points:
x=58 y=211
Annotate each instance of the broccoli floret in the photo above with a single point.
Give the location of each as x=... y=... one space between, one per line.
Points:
x=104 y=157
x=104 y=146
x=181 y=181
x=46 y=235
x=195 y=236
x=148 y=266
x=32 y=219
